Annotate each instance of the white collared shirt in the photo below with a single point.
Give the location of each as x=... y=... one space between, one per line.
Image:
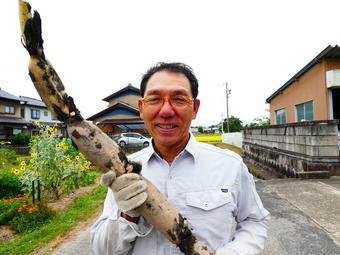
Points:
x=209 y=186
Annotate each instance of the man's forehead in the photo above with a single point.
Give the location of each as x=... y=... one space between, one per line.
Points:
x=168 y=81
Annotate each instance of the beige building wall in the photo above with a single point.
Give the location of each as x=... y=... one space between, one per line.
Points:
x=116 y=117
x=2 y=109
x=130 y=99
x=311 y=86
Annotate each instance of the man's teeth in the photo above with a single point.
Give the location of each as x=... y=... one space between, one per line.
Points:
x=166 y=126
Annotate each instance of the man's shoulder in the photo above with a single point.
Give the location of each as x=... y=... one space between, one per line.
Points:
x=140 y=155
x=208 y=149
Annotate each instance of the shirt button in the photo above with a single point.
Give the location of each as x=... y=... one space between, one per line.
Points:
x=205 y=204
x=170 y=177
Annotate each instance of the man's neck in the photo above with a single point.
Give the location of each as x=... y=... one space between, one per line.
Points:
x=169 y=153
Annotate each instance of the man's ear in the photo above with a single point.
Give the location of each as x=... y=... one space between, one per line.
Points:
x=197 y=103
x=140 y=107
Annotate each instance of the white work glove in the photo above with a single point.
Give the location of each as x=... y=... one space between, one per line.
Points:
x=128 y=190
x=226 y=251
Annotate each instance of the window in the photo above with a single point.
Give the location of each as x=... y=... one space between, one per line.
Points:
x=35 y=114
x=9 y=109
x=304 y=111
x=45 y=113
x=280 y=116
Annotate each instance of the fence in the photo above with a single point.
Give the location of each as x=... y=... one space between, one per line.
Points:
x=234 y=138
x=305 y=149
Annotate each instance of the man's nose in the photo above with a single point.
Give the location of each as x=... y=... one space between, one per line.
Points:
x=166 y=110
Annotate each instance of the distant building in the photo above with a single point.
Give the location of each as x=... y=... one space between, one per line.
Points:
x=311 y=94
x=18 y=114
x=122 y=114
x=35 y=110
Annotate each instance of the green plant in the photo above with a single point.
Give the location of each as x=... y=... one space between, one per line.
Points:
x=21 y=139
x=9 y=184
x=51 y=162
x=28 y=222
x=6 y=155
x=83 y=208
x=22 y=214
x=9 y=208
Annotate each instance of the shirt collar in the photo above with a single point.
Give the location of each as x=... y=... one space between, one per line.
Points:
x=190 y=148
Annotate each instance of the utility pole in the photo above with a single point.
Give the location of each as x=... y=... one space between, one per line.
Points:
x=228 y=92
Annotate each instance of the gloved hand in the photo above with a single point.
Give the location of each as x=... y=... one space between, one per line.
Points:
x=226 y=251
x=128 y=190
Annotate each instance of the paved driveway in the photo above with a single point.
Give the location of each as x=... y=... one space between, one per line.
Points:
x=305 y=219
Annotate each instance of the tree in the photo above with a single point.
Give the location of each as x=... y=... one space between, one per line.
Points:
x=259 y=122
x=200 y=129
x=235 y=124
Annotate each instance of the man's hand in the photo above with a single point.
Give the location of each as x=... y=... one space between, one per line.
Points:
x=128 y=190
x=226 y=251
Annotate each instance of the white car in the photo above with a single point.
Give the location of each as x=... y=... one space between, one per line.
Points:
x=131 y=139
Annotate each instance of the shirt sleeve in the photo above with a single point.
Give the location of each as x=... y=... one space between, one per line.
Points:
x=251 y=219
x=111 y=234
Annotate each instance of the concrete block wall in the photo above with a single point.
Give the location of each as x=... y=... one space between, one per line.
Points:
x=296 y=147
x=312 y=138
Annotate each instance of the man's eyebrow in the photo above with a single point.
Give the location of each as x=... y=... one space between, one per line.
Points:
x=175 y=92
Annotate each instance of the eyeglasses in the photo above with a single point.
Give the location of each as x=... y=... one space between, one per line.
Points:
x=175 y=101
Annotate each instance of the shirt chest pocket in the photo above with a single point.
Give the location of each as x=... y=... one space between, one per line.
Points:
x=212 y=202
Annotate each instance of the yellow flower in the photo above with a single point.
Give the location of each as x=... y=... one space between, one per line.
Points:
x=23 y=163
x=37 y=123
x=22 y=168
x=68 y=159
x=65 y=148
x=48 y=127
x=38 y=174
x=33 y=154
x=77 y=157
x=16 y=171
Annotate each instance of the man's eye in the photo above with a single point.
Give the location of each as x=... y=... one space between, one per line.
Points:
x=154 y=100
x=179 y=100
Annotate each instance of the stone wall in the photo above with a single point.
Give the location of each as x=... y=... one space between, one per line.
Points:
x=305 y=149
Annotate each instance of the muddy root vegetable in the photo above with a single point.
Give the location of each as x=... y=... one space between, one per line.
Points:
x=96 y=146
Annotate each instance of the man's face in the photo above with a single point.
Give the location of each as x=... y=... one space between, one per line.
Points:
x=168 y=125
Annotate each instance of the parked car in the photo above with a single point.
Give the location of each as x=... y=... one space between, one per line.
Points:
x=131 y=139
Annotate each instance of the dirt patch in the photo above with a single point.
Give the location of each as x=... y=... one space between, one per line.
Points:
x=6 y=234
x=67 y=199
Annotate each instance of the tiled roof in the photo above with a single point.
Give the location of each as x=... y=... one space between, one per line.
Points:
x=6 y=95
x=14 y=120
x=33 y=101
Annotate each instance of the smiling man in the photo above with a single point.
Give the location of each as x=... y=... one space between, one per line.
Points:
x=209 y=186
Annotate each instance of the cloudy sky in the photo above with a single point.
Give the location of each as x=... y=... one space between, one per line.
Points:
x=98 y=47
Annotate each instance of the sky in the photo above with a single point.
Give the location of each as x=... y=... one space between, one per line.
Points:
x=98 y=47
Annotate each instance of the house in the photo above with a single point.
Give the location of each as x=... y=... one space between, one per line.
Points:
x=18 y=114
x=11 y=122
x=313 y=93
x=33 y=110
x=122 y=114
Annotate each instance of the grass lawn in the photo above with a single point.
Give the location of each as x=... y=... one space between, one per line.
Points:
x=82 y=208
x=208 y=138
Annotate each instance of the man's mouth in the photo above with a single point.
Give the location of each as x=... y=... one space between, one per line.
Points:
x=166 y=126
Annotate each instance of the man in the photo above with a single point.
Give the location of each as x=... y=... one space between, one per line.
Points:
x=209 y=186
